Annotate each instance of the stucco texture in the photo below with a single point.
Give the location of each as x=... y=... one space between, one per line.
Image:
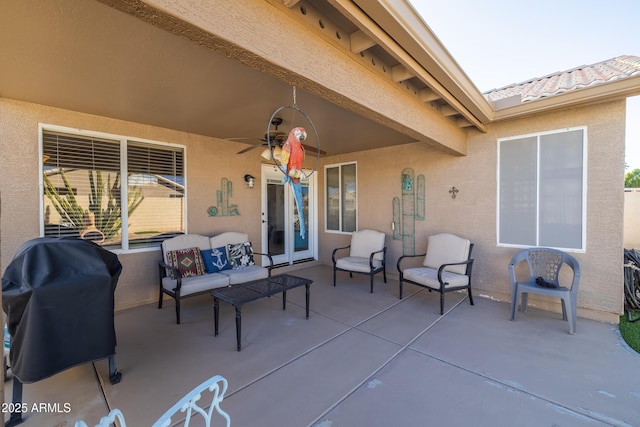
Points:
x=208 y=160
x=471 y=214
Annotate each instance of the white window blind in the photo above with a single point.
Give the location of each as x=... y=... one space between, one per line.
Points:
x=84 y=194
x=157 y=175
x=542 y=197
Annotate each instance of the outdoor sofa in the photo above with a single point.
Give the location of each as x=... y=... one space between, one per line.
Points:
x=193 y=264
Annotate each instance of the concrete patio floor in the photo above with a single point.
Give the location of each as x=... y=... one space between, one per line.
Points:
x=360 y=359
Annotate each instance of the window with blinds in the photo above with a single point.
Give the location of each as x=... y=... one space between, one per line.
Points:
x=541 y=190
x=341 y=197
x=120 y=193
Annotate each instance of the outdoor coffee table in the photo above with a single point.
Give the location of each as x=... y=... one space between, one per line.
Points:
x=239 y=294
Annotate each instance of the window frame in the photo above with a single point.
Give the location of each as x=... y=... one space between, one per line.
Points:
x=341 y=198
x=538 y=136
x=123 y=141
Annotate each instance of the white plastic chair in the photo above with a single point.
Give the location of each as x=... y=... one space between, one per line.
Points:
x=107 y=421
x=189 y=405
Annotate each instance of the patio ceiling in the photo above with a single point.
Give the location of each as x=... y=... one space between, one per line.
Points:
x=86 y=56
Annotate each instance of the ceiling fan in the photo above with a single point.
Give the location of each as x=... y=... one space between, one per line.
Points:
x=277 y=138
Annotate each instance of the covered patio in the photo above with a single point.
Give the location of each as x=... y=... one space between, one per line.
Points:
x=360 y=359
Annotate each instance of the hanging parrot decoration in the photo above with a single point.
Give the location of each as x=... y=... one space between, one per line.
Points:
x=291 y=160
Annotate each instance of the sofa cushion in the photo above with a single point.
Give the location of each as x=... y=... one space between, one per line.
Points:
x=246 y=274
x=365 y=242
x=185 y=241
x=240 y=255
x=193 y=285
x=446 y=248
x=227 y=238
x=188 y=261
x=215 y=259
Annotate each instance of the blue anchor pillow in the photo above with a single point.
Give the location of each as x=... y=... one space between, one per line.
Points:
x=215 y=260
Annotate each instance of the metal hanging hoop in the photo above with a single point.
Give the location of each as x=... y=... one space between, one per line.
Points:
x=313 y=127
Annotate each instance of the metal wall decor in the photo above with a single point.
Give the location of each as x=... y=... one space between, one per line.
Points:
x=222 y=207
x=454 y=192
x=412 y=209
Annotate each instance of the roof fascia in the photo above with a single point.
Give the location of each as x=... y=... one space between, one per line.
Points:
x=618 y=89
x=212 y=24
x=407 y=28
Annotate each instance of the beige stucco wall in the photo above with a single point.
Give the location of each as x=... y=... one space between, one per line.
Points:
x=601 y=285
x=632 y=219
x=208 y=161
x=472 y=214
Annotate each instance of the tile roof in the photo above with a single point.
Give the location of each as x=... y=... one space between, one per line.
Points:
x=565 y=81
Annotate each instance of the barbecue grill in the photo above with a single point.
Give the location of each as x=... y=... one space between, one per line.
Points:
x=58 y=296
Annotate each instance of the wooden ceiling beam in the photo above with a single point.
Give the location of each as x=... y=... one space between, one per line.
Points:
x=399 y=73
x=429 y=95
x=361 y=42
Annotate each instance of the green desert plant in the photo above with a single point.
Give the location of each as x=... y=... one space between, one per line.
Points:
x=632 y=179
x=108 y=219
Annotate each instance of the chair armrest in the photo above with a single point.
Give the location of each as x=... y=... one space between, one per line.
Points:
x=333 y=254
x=270 y=266
x=575 y=267
x=373 y=254
x=443 y=266
x=512 y=272
x=405 y=257
x=517 y=259
x=163 y=267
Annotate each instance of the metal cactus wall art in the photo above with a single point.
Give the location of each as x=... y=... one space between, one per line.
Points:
x=411 y=209
x=222 y=207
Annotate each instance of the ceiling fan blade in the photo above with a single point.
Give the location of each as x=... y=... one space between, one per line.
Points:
x=244 y=150
x=314 y=149
x=241 y=139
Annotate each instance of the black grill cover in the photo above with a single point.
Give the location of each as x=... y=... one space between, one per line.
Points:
x=58 y=295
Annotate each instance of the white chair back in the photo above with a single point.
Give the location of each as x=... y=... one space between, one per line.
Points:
x=364 y=242
x=447 y=248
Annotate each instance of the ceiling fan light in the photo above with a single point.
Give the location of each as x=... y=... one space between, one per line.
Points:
x=277 y=152
x=266 y=154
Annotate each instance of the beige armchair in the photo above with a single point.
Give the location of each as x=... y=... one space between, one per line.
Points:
x=366 y=255
x=446 y=267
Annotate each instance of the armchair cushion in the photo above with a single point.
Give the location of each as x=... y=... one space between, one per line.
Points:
x=447 y=248
x=359 y=264
x=429 y=277
x=187 y=261
x=364 y=242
